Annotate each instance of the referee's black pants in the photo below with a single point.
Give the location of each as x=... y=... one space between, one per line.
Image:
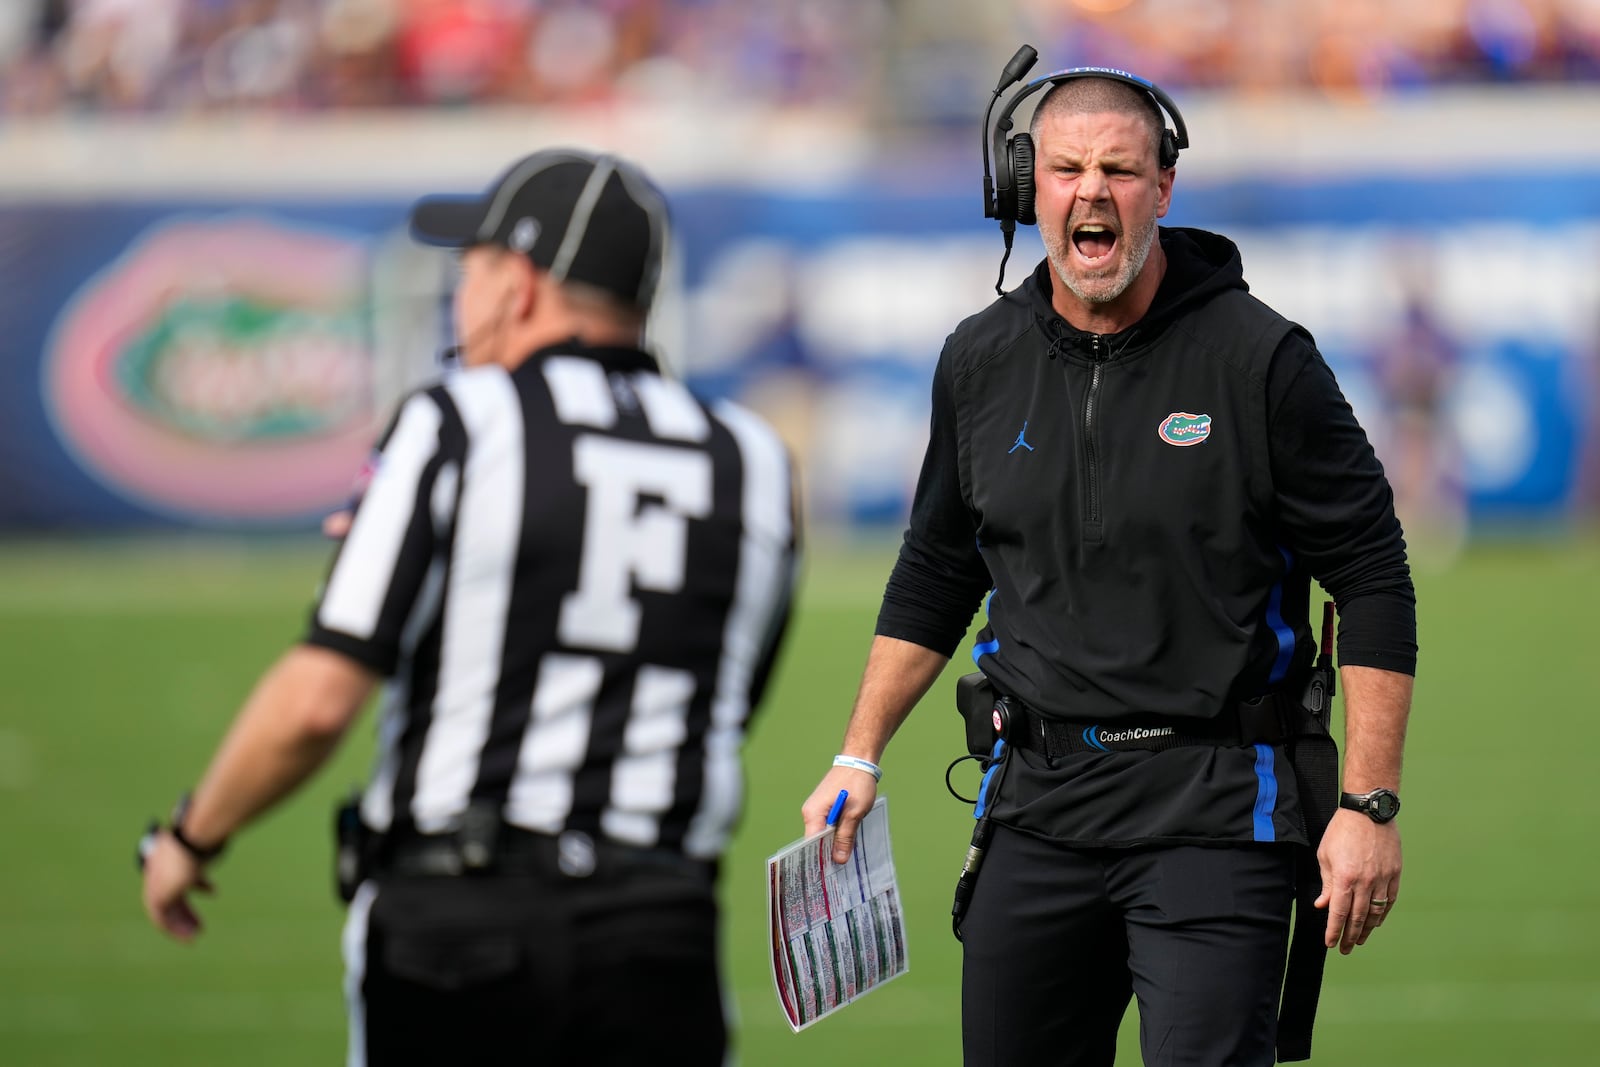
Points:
x=527 y=970
x=1057 y=940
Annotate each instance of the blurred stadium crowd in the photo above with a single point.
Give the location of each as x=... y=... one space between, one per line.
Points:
x=895 y=59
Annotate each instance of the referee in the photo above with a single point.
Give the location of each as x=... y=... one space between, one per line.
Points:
x=573 y=577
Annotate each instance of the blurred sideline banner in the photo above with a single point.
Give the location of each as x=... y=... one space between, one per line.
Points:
x=227 y=363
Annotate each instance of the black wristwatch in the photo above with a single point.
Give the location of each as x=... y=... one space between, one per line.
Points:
x=175 y=828
x=1380 y=805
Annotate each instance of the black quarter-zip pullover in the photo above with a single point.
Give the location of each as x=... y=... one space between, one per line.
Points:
x=1146 y=510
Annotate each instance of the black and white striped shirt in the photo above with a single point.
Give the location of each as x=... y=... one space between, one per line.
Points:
x=575 y=575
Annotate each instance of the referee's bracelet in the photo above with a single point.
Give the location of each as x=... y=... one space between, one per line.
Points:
x=860 y=765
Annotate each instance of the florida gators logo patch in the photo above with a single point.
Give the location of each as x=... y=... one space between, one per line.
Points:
x=1183 y=429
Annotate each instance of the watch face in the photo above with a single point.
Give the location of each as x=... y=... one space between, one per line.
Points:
x=1385 y=805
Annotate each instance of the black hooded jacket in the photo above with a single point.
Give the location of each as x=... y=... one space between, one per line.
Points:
x=1146 y=511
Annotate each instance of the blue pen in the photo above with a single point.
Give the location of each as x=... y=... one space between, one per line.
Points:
x=838 y=806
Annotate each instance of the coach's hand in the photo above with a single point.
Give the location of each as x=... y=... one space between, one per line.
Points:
x=863 y=790
x=170 y=872
x=1360 y=862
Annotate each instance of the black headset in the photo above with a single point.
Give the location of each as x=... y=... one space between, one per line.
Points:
x=1011 y=198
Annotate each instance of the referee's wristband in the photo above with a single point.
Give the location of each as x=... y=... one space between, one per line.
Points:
x=201 y=853
x=860 y=765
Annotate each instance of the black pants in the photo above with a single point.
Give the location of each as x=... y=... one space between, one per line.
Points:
x=525 y=970
x=1057 y=940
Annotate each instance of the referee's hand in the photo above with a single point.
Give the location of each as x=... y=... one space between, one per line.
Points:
x=170 y=873
x=336 y=524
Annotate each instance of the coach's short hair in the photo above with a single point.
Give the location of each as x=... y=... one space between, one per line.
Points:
x=1094 y=96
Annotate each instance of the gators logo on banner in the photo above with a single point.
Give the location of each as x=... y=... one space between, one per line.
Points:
x=219 y=369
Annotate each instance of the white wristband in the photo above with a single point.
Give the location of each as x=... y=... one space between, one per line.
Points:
x=860 y=765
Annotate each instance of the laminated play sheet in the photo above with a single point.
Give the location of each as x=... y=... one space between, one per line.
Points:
x=837 y=929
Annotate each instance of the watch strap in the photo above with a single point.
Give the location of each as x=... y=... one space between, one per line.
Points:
x=1367 y=803
x=200 y=852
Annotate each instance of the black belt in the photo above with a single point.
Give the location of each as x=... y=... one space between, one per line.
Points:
x=1250 y=722
x=513 y=851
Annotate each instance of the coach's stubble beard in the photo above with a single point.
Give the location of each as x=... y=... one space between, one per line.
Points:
x=1098 y=288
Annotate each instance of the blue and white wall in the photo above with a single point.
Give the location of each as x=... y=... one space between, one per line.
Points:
x=215 y=344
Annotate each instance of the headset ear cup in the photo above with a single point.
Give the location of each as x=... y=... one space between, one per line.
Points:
x=1005 y=190
x=1022 y=177
x=1169 y=149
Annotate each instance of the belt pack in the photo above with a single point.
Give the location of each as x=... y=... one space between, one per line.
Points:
x=989 y=715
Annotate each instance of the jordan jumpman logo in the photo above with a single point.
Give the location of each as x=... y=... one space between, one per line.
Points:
x=1021 y=439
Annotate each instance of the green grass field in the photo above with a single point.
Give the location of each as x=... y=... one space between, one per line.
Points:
x=120 y=665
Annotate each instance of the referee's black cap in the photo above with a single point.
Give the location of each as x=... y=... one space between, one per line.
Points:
x=583 y=217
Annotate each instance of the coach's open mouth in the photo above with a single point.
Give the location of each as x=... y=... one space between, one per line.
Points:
x=1094 y=241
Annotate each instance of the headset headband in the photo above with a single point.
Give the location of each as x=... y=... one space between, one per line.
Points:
x=1163 y=102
